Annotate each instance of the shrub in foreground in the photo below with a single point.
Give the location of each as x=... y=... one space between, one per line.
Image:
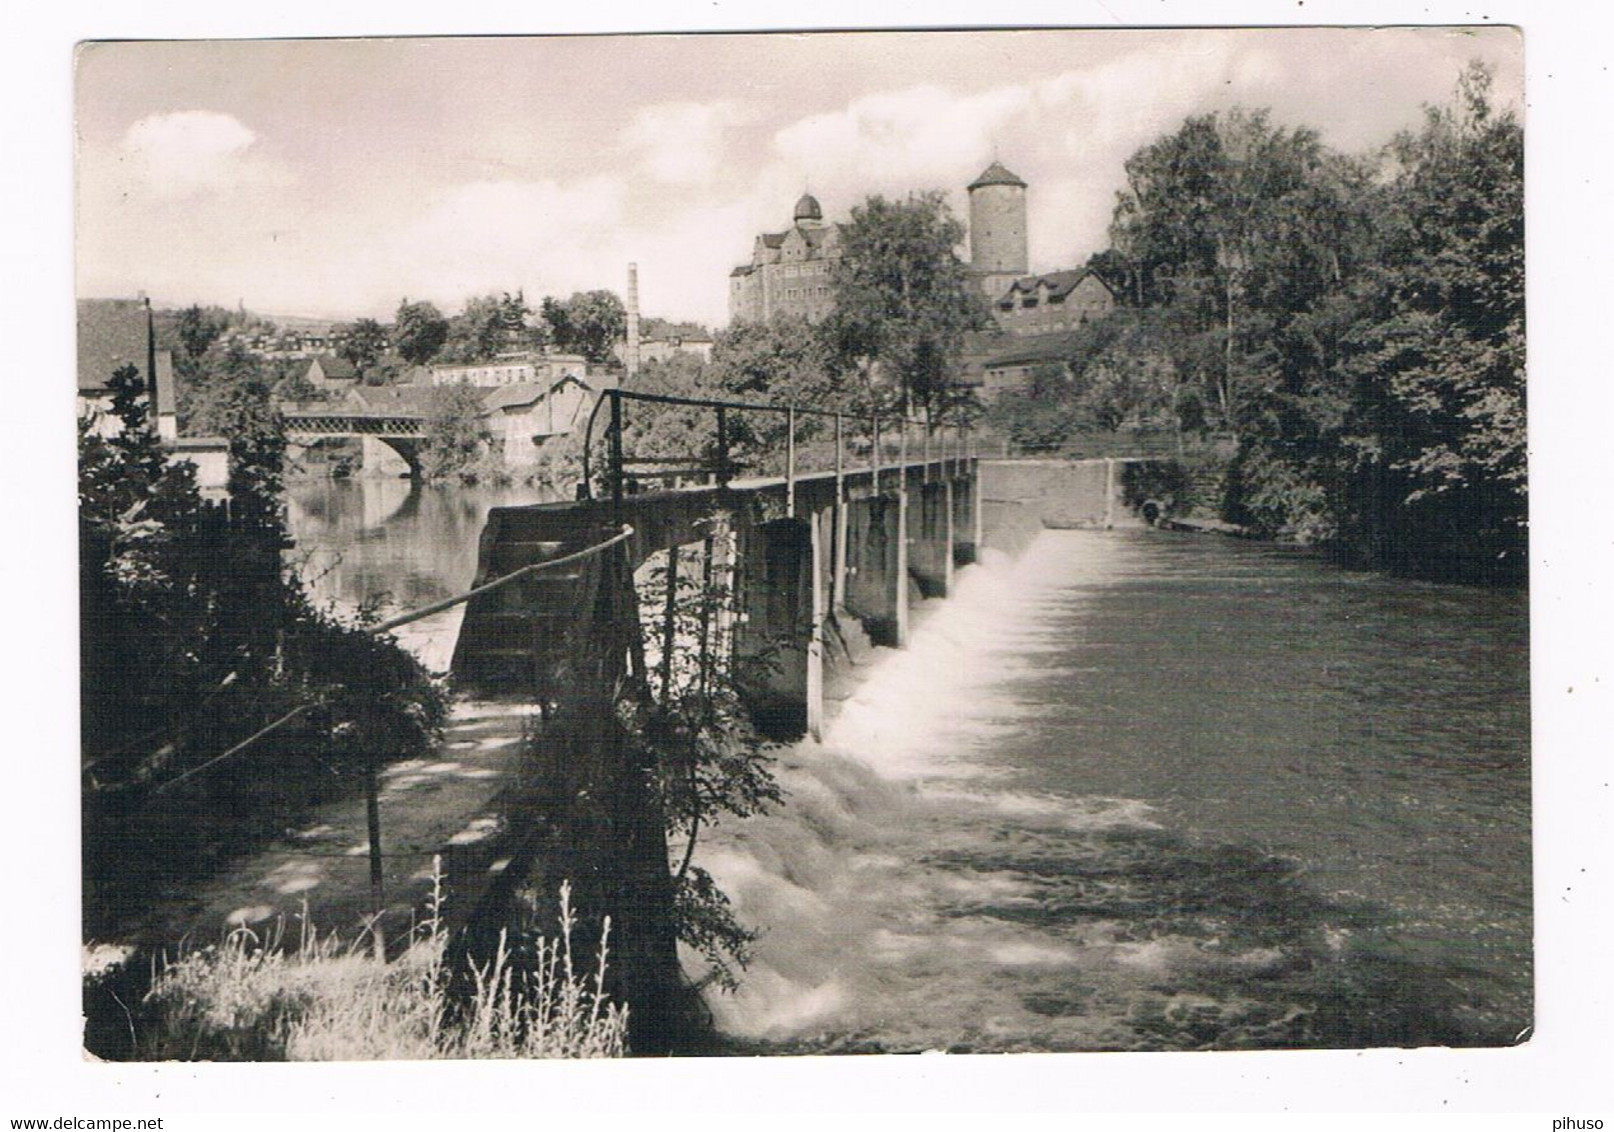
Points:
x=252 y=999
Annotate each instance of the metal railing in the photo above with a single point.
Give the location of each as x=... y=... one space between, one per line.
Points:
x=721 y=469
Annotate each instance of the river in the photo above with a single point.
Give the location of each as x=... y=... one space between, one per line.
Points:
x=1134 y=790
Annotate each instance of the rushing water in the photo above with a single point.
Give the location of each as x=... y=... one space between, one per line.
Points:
x=1132 y=791
x=1146 y=791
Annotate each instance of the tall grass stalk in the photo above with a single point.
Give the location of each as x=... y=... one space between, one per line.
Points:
x=252 y=998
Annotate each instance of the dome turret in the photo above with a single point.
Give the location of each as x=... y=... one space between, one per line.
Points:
x=807 y=208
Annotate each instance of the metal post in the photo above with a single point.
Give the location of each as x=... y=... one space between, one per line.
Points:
x=902 y=456
x=840 y=471
x=669 y=628
x=790 y=462
x=928 y=431
x=838 y=570
x=722 y=447
x=877 y=455
x=705 y=607
x=372 y=818
x=616 y=454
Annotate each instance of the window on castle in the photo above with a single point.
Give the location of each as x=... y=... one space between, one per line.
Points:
x=1029 y=301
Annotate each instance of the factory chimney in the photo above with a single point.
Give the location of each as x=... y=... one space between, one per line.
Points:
x=632 y=359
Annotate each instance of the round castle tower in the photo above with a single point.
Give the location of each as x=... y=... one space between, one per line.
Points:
x=997 y=229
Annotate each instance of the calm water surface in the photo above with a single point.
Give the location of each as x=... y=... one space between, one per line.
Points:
x=395 y=545
x=1133 y=791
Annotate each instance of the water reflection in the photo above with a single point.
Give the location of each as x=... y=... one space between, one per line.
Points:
x=394 y=545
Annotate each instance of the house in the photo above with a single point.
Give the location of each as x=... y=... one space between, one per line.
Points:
x=1012 y=366
x=659 y=348
x=113 y=333
x=511 y=369
x=1049 y=304
x=329 y=372
x=521 y=417
x=210 y=456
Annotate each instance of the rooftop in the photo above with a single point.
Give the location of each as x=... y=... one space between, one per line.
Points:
x=112 y=333
x=995 y=174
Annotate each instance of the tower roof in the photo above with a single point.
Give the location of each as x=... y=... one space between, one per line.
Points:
x=807 y=208
x=996 y=174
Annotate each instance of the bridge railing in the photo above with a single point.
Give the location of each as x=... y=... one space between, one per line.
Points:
x=876 y=440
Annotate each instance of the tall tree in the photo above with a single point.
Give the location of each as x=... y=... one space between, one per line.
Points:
x=488 y=326
x=589 y=323
x=903 y=300
x=420 y=331
x=365 y=341
x=1241 y=227
x=1436 y=436
x=198 y=328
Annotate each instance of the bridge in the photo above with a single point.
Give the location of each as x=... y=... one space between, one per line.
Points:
x=403 y=431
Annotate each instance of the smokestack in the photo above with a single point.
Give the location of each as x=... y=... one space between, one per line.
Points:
x=633 y=320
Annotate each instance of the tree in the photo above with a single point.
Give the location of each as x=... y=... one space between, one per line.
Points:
x=195 y=638
x=365 y=340
x=420 y=331
x=456 y=435
x=589 y=323
x=903 y=299
x=488 y=326
x=198 y=329
x=1242 y=227
x=221 y=391
x=1040 y=417
x=1435 y=440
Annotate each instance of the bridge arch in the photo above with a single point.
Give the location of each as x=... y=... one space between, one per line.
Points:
x=404 y=434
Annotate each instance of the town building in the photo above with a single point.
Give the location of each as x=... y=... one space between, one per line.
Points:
x=521 y=418
x=112 y=334
x=511 y=369
x=1049 y=304
x=330 y=372
x=660 y=348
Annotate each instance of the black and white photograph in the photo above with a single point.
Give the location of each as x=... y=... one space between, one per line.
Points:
x=789 y=543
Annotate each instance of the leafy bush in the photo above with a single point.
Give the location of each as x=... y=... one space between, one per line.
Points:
x=194 y=639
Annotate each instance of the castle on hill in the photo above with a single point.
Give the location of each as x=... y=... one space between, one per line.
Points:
x=790 y=272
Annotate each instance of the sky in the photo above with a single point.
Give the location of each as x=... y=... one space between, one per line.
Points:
x=332 y=178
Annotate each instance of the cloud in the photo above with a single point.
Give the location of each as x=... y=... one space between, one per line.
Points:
x=915 y=136
x=195 y=151
x=681 y=142
x=546 y=236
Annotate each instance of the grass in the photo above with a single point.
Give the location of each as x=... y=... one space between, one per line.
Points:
x=256 y=999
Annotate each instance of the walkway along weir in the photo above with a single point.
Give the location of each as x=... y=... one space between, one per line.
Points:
x=814 y=563
x=809 y=568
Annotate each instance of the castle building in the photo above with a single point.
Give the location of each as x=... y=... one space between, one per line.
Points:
x=998 y=253
x=790 y=271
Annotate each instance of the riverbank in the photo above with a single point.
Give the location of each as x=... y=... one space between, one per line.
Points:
x=318 y=873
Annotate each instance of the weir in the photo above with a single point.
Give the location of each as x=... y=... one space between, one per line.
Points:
x=823 y=554
x=770 y=587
